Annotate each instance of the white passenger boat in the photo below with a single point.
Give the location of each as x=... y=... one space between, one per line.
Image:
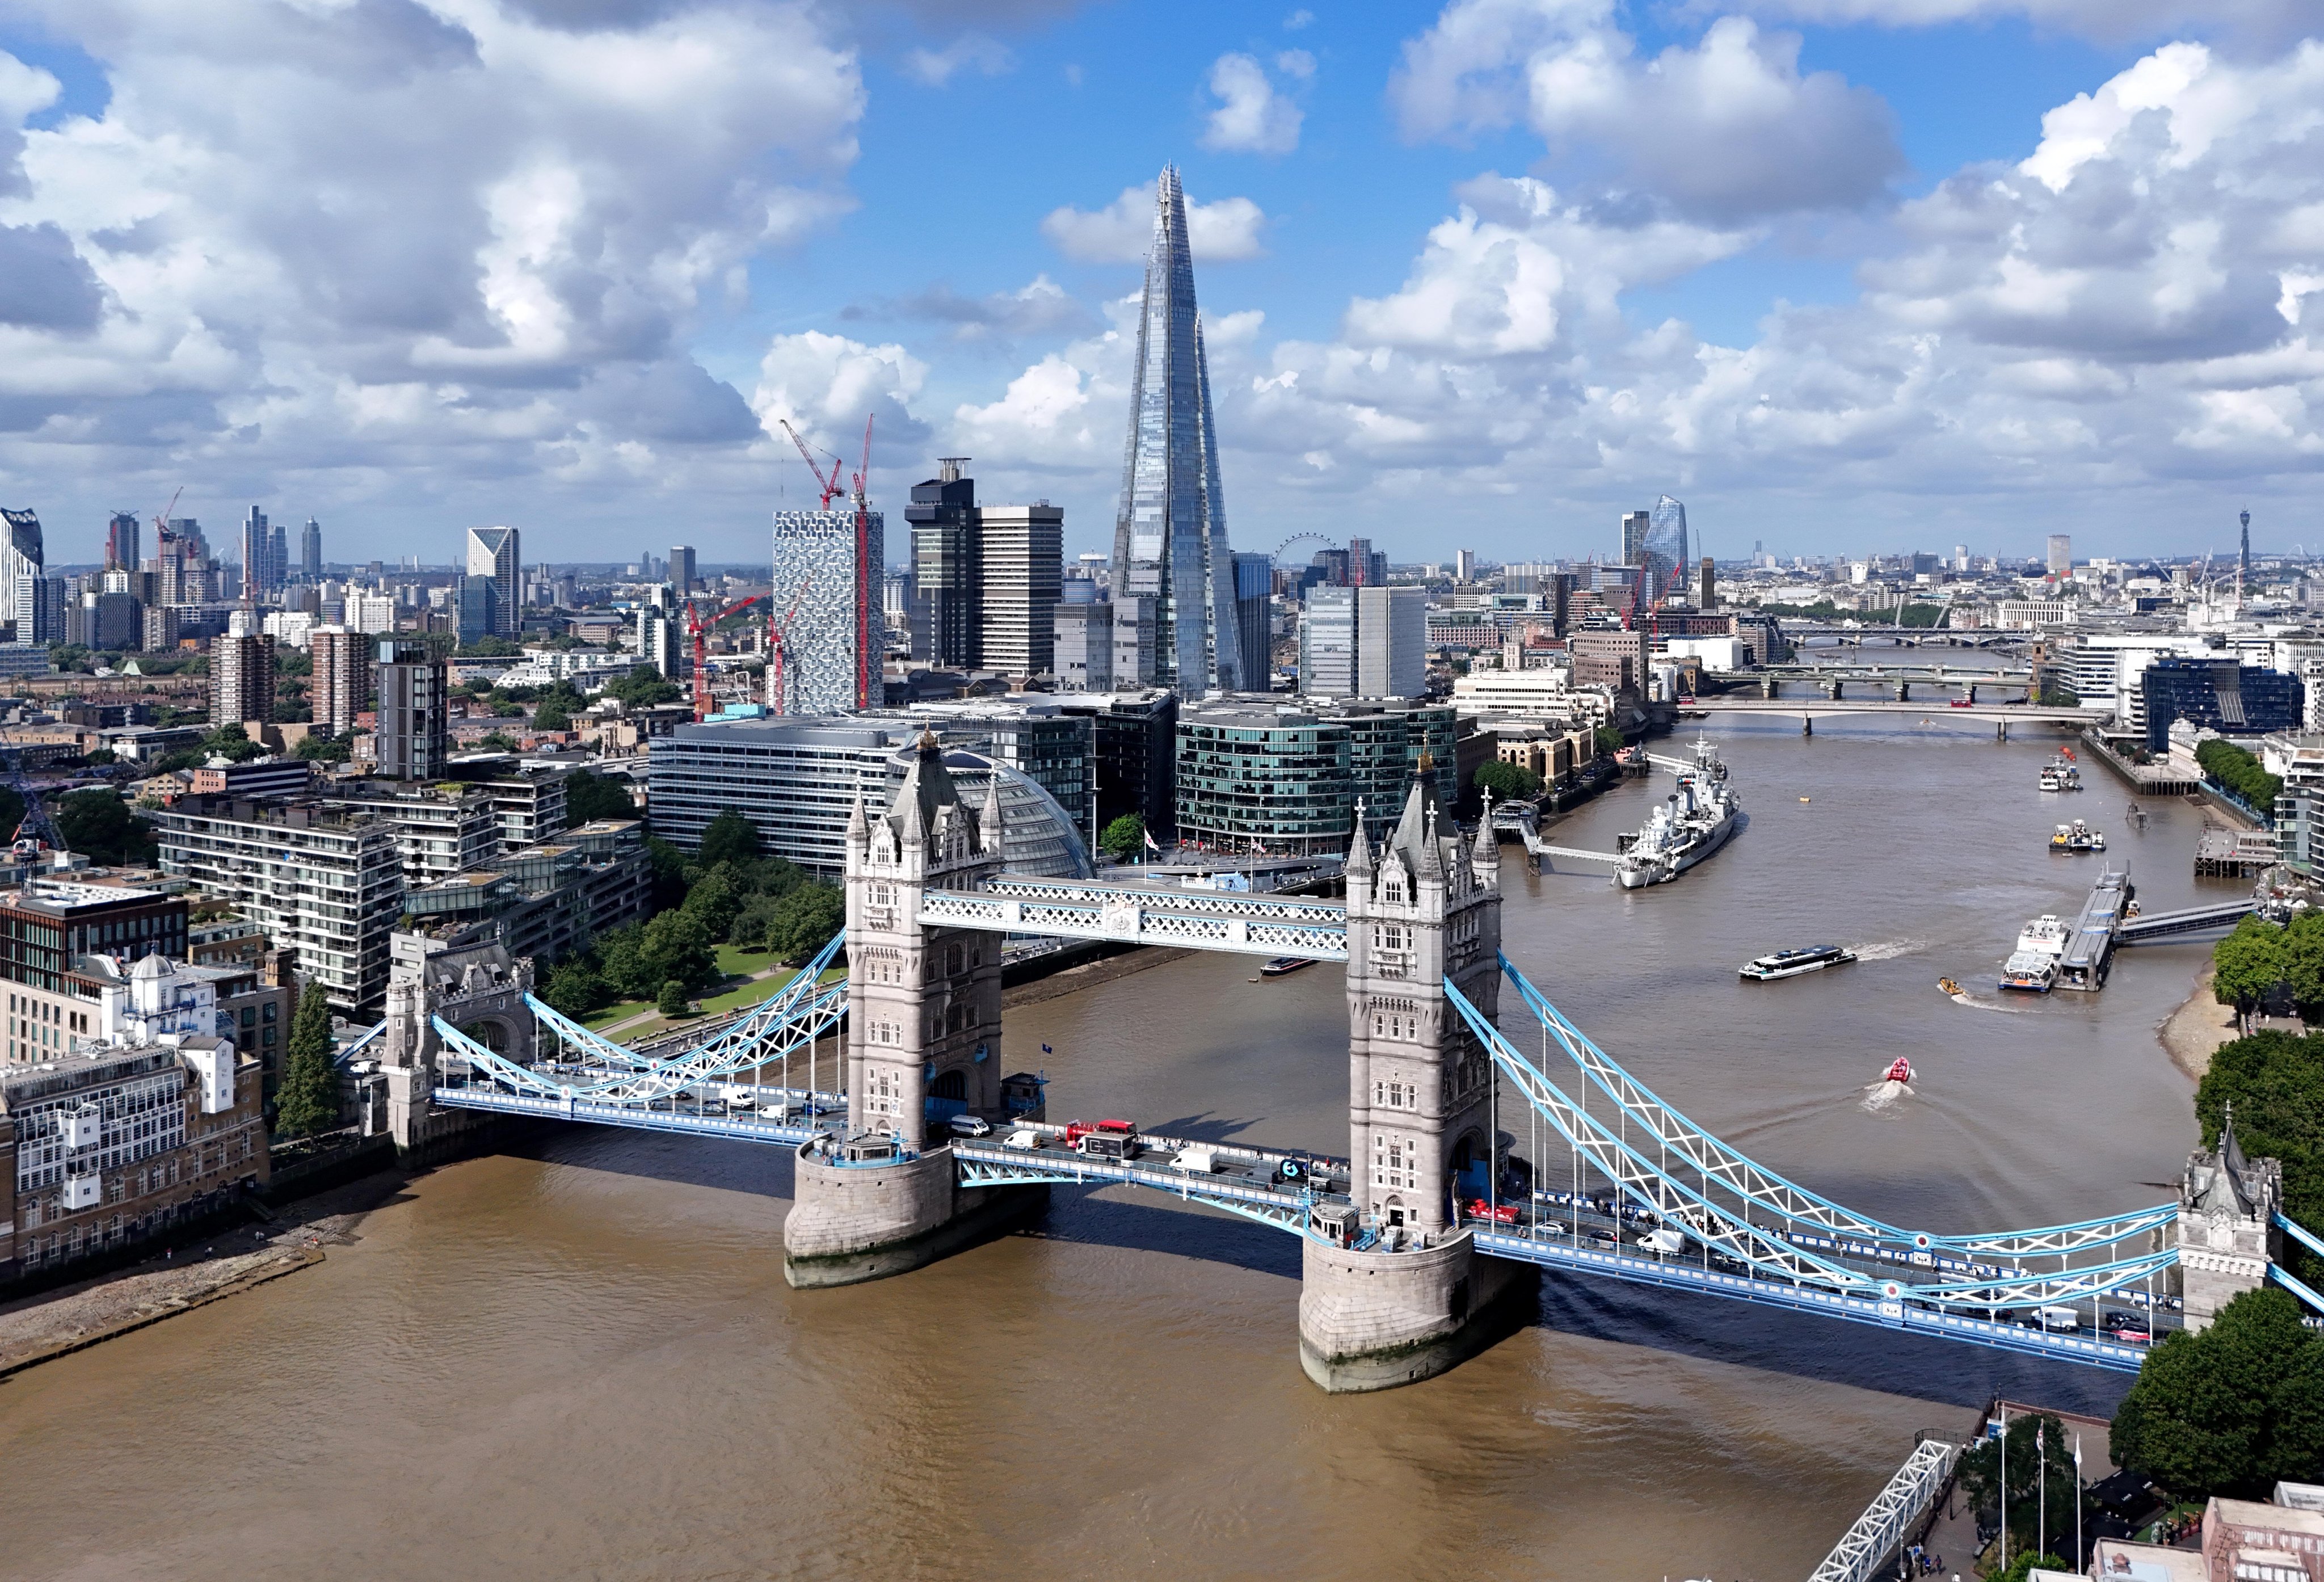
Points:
x=1791 y=962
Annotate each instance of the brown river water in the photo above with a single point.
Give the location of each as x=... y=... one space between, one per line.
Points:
x=582 y=1361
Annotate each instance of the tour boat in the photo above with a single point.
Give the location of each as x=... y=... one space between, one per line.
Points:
x=2047 y=934
x=2033 y=971
x=1900 y=1069
x=1793 y=962
x=1276 y=966
x=2076 y=836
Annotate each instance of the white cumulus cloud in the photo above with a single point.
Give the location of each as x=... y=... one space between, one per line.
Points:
x=1250 y=117
x=1123 y=230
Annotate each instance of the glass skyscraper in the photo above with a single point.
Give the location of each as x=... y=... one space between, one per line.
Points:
x=1170 y=532
x=1664 y=551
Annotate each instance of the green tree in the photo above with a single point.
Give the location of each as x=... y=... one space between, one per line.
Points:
x=490 y=648
x=2023 y=1563
x=2229 y=1411
x=728 y=838
x=2038 y=1452
x=70 y=656
x=2303 y=963
x=804 y=921
x=2247 y=963
x=1124 y=837
x=589 y=795
x=554 y=711
x=323 y=748
x=1508 y=781
x=1610 y=740
x=644 y=688
x=714 y=898
x=668 y=872
x=622 y=963
x=2237 y=770
x=307 y=1099
x=753 y=920
x=99 y=824
x=233 y=743
x=678 y=944
x=575 y=990
x=673 y=1000
x=495 y=742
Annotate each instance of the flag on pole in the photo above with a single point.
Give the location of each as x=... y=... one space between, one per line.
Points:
x=1148 y=836
x=1048 y=1051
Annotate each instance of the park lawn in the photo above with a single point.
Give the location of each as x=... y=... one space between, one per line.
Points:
x=736 y=994
x=734 y=961
x=615 y=1013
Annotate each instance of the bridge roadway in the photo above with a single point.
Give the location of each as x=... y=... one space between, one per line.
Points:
x=1177 y=915
x=1811 y=709
x=1554 y=1231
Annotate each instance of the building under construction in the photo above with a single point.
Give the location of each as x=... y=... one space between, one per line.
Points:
x=834 y=636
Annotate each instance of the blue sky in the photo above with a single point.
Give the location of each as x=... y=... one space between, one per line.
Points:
x=1483 y=276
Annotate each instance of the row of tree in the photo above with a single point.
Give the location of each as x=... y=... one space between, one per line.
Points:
x=2230 y=766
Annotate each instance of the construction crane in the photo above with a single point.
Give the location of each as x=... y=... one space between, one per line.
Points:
x=779 y=647
x=161 y=522
x=829 y=486
x=864 y=662
x=35 y=827
x=696 y=628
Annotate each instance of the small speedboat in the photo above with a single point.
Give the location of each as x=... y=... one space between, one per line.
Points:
x=1948 y=985
x=1900 y=1069
x=1278 y=966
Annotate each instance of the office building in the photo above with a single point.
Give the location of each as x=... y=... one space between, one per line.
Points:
x=1285 y=782
x=1327 y=643
x=1391 y=641
x=495 y=553
x=310 y=551
x=242 y=676
x=19 y=559
x=830 y=574
x=114 y=622
x=45 y=929
x=1170 y=532
x=1254 y=618
x=1635 y=527
x=1031 y=733
x=118 y=1146
x=414 y=733
x=477 y=615
x=1663 y=556
x=325 y=882
x=1464 y=565
x=1613 y=659
x=1136 y=634
x=341 y=687
x=948 y=569
x=1023 y=550
x=796 y=780
x=1367 y=566
x=40 y=605
x=261 y=557
x=1134 y=736
x=121 y=535
x=683 y=574
x=1083 y=652
x=2224 y=695
x=255 y=777
x=1364 y=642
x=662 y=640
x=2062 y=554
x=1706 y=591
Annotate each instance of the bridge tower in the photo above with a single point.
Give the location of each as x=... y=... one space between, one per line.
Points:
x=2227 y=1235
x=1425 y=910
x=923 y=1021
x=471 y=981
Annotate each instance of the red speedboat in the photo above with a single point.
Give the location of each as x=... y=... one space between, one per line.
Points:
x=1900 y=1069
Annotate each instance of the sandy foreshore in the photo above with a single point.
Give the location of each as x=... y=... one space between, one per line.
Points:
x=2198 y=1026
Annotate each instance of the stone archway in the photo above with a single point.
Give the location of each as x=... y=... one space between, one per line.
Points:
x=951 y=1084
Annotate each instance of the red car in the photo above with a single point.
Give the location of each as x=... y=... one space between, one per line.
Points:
x=1960 y=703
x=1499 y=1213
x=1076 y=1130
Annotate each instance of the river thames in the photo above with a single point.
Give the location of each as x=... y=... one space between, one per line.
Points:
x=583 y=1361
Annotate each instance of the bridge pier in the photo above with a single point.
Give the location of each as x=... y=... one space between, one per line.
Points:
x=1807 y=724
x=2000 y=730
x=1375 y=1320
x=853 y=1222
x=1903 y=691
x=1833 y=689
x=1972 y=693
x=1771 y=688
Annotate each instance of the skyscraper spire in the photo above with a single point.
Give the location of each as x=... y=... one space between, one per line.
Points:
x=1170 y=530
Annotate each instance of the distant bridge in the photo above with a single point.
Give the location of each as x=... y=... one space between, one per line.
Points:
x=1808 y=710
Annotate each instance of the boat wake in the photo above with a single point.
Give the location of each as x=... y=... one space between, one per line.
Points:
x=1879 y=1096
x=1974 y=1003
x=1888 y=949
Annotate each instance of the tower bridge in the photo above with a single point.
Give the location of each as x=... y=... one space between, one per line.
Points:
x=1472 y=1164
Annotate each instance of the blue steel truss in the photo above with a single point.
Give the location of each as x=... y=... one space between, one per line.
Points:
x=1700 y=1151
x=1765 y=1232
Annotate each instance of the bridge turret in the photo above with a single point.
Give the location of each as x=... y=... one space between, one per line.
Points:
x=2227 y=1235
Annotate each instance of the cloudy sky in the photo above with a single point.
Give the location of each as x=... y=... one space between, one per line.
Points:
x=1842 y=274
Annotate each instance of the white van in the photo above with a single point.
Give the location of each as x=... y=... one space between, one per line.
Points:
x=2060 y=1318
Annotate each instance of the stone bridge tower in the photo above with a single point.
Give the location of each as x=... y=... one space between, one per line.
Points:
x=923 y=1003
x=2227 y=1235
x=1424 y=911
x=471 y=981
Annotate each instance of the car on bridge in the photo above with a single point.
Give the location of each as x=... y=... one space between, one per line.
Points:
x=1499 y=1213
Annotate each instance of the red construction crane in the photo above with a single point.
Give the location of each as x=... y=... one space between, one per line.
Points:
x=161 y=522
x=864 y=660
x=779 y=647
x=694 y=629
x=829 y=486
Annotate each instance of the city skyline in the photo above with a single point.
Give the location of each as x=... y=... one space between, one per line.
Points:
x=1876 y=314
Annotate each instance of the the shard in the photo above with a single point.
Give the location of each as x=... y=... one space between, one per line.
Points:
x=1170 y=532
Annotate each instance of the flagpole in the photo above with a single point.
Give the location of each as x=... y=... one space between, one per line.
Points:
x=2005 y=1484
x=2078 y=1497
x=2041 y=1490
